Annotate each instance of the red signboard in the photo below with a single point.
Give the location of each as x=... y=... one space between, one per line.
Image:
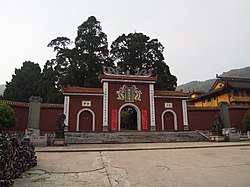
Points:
x=144 y=120
x=114 y=119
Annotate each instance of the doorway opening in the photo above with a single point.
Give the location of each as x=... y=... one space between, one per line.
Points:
x=168 y=121
x=128 y=118
x=86 y=121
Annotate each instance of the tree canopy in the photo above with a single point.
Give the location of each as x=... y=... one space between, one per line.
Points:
x=246 y=121
x=48 y=89
x=136 y=50
x=24 y=83
x=7 y=116
x=79 y=62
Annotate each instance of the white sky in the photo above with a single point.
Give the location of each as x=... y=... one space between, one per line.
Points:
x=201 y=37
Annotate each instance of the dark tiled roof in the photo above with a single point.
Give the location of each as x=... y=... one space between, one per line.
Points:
x=237 y=83
x=209 y=94
x=26 y=105
x=171 y=93
x=229 y=83
x=127 y=77
x=14 y=103
x=49 y=105
x=82 y=90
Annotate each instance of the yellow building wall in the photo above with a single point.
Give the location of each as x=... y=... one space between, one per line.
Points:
x=224 y=98
x=214 y=101
x=198 y=104
x=219 y=85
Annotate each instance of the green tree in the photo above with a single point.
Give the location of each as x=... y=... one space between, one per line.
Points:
x=246 y=121
x=7 y=116
x=48 y=89
x=81 y=65
x=24 y=83
x=137 y=50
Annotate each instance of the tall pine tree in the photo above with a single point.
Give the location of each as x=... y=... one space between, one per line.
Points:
x=80 y=65
x=24 y=83
x=136 y=50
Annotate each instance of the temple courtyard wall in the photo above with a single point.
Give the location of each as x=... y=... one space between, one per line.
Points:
x=199 y=118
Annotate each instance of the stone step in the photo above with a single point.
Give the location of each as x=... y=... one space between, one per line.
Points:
x=133 y=137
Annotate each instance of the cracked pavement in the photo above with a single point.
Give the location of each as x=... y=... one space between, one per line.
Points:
x=225 y=166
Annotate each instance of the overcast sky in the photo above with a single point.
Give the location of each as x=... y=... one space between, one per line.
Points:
x=202 y=38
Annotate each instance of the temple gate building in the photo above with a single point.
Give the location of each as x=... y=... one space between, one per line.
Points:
x=125 y=102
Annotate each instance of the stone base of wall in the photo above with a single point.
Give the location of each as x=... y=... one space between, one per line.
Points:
x=133 y=137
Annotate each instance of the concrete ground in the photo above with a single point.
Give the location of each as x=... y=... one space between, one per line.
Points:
x=170 y=164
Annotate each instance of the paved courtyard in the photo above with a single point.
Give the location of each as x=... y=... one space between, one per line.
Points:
x=211 y=166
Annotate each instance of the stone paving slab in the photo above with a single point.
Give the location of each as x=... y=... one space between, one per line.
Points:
x=227 y=165
x=138 y=146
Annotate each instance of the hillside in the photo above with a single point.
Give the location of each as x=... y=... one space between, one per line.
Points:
x=204 y=86
x=2 y=87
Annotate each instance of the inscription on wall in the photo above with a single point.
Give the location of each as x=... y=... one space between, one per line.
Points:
x=129 y=93
x=168 y=105
x=86 y=103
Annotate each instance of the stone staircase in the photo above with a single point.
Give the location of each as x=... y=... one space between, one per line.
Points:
x=133 y=137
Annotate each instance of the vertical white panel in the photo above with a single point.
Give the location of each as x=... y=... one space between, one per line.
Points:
x=152 y=107
x=66 y=110
x=105 y=106
x=185 y=116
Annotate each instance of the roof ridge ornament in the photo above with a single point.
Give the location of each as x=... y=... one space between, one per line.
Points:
x=116 y=71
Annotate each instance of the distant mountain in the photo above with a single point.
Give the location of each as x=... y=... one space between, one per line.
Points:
x=204 y=86
x=2 y=88
x=241 y=73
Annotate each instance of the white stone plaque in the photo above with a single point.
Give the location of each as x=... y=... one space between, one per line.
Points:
x=86 y=103
x=168 y=105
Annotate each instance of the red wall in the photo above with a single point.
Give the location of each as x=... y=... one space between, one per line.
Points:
x=201 y=118
x=236 y=115
x=116 y=104
x=160 y=108
x=48 y=118
x=76 y=105
x=198 y=118
x=22 y=118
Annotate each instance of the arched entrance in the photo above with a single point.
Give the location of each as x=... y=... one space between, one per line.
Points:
x=169 y=120
x=85 y=123
x=85 y=120
x=129 y=117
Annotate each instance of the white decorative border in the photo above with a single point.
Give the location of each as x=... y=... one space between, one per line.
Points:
x=138 y=113
x=78 y=118
x=66 y=110
x=130 y=81
x=105 y=106
x=175 y=119
x=152 y=106
x=185 y=116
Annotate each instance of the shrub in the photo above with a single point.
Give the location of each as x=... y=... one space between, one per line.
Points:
x=246 y=121
x=7 y=116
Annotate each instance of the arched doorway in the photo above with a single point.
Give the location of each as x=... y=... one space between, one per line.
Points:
x=128 y=118
x=85 y=120
x=169 y=120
